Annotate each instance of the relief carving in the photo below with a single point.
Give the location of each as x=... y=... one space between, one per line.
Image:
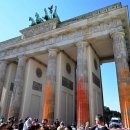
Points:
x=40 y=28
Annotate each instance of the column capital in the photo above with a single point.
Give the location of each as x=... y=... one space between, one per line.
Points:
x=82 y=43
x=117 y=34
x=4 y=62
x=53 y=51
x=22 y=57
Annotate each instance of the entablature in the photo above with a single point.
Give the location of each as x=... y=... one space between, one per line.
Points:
x=58 y=36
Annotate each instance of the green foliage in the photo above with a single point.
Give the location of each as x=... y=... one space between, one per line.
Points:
x=108 y=114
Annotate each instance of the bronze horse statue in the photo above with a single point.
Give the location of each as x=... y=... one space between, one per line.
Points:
x=55 y=15
x=32 y=20
x=38 y=19
x=46 y=17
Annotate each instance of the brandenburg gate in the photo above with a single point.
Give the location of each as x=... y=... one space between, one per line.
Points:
x=52 y=70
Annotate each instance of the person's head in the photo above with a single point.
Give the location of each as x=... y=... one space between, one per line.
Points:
x=3 y=126
x=99 y=119
x=61 y=123
x=68 y=128
x=20 y=120
x=57 y=119
x=73 y=124
x=44 y=122
x=35 y=119
x=29 y=120
x=10 y=122
x=54 y=125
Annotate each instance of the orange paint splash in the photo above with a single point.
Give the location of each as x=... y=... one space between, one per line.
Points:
x=10 y=111
x=82 y=103
x=48 y=101
x=124 y=95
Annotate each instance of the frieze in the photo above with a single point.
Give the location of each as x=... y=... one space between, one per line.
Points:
x=23 y=49
x=104 y=26
x=110 y=26
x=72 y=35
x=11 y=41
x=88 y=29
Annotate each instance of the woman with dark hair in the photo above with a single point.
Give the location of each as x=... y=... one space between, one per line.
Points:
x=99 y=124
x=68 y=128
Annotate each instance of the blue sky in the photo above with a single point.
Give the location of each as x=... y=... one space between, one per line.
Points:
x=14 y=16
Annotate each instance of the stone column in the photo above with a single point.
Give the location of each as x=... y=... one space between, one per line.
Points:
x=6 y=93
x=49 y=90
x=3 y=66
x=82 y=89
x=122 y=68
x=16 y=99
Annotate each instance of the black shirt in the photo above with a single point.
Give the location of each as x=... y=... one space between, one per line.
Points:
x=20 y=126
x=103 y=128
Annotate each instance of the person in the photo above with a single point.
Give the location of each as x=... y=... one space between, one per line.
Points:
x=3 y=126
x=68 y=128
x=38 y=127
x=99 y=124
x=53 y=126
x=1 y=120
x=34 y=127
x=11 y=124
x=20 y=125
x=81 y=127
x=45 y=124
x=87 y=126
x=73 y=126
x=27 y=124
x=57 y=123
x=61 y=127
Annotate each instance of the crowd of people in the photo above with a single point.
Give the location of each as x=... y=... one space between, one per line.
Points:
x=34 y=124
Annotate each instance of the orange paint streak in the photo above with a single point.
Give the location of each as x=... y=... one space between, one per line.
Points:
x=124 y=94
x=47 y=106
x=82 y=103
x=10 y=111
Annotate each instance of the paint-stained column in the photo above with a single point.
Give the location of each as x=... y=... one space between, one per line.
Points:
x=82 y=91
x=121 y=60
x=49 y=90
x=3 y=66
x=16 y=99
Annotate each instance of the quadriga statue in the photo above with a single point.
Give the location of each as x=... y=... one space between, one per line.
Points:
x=32 y=21
x=46 y=17
x=55 y=15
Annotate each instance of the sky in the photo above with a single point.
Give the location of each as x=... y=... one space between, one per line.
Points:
x=14 y=15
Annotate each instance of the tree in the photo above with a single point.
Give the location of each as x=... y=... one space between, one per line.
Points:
x=108 y=114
